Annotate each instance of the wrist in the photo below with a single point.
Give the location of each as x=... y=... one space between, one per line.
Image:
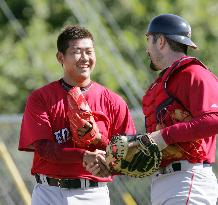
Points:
x=158 y=139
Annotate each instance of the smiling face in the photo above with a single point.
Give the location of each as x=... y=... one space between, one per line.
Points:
x=78 y=61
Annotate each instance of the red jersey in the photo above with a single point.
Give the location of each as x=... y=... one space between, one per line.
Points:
x=186 y=111
x=197 y=90
x=45 y=117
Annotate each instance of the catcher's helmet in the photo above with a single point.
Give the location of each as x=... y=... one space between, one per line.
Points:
x=173 y=27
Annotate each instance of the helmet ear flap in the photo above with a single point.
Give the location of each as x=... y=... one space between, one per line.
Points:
x=173 y=27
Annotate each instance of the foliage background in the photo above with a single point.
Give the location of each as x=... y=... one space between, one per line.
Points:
x=28 y=35
x=29 y=30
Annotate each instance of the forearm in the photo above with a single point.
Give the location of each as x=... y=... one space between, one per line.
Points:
x=56 y=153
x=199 y=127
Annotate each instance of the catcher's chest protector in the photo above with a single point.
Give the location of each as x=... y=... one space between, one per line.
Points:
x=162 y=109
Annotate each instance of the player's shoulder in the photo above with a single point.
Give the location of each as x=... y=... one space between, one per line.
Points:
x=197 y=71
x=45 y=90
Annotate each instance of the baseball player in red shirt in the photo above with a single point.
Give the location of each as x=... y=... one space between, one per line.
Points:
x=68 y=124
x=181 y=113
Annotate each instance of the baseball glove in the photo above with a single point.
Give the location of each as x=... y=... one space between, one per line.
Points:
x=81 y=118
x=135 y=156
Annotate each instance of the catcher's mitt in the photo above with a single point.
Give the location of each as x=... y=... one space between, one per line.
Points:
x=135 y=156
x=79 y=113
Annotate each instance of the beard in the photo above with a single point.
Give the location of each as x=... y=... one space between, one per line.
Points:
x=153 y=67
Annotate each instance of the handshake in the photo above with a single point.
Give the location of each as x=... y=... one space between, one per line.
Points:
x=95 y=163
x=135 y=156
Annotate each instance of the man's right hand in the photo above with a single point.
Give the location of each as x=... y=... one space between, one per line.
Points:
x=95 y=163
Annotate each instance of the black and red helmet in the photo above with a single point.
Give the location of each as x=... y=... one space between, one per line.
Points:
x=173 y=27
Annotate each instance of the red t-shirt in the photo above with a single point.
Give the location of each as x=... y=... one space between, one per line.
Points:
x=197 y=89
x=45 y=117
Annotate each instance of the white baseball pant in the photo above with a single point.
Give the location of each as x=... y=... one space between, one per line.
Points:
x=50 y=195
x=195 y=184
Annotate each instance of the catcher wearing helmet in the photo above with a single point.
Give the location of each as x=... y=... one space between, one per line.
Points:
x=181 y=111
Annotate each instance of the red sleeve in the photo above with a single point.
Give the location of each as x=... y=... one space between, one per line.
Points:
x=196 y=87
x=55 y=153
x=35 y=123
x=199 y=127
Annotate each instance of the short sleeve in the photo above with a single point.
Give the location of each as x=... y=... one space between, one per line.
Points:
x=35 y=123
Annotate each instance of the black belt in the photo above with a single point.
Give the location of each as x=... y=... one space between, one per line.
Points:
x=177 y=166
x=67 y=183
